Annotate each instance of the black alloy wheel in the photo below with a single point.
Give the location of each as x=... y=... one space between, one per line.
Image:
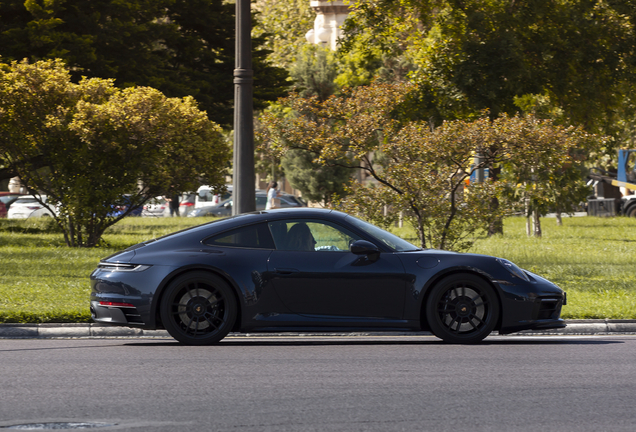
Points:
x=198 y=308
x=462 y=308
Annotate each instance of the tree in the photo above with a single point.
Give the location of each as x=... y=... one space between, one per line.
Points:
x=422 y=171
x=416 y=170
x=181 y=47
x=283 y=25
x=480 y=54
x=545 y=172
x=322 y=183
x=91 y=147
x=314 y=72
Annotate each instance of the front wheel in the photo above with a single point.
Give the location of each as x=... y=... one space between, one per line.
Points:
x=462 y=308
x=198 y=308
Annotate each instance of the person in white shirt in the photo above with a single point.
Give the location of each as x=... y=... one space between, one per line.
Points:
x=272 y=196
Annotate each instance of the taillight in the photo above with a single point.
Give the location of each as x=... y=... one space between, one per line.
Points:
x=187 y=204
x=115 y=304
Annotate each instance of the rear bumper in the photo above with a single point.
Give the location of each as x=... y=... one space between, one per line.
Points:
x=116 y=315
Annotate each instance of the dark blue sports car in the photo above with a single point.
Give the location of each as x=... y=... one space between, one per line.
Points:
x=314 y=270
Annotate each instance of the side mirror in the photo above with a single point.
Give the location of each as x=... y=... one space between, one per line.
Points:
x=227 y=205
x=363 y=247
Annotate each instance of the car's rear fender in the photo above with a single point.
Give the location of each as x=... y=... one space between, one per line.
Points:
x=156 y=302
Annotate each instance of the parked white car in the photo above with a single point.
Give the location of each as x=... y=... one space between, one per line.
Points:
x=205 y=197
x=28 y=207
x=156 y=207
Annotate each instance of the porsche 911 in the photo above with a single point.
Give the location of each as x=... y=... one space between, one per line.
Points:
x=314 y=270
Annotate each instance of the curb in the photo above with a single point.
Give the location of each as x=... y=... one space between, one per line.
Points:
x=51 y=330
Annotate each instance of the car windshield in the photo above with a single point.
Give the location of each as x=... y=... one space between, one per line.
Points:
x=394 y=242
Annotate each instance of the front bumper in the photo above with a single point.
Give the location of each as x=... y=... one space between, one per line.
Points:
x=531 y=306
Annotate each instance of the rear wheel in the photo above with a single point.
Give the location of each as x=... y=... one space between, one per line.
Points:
x=631 y=211
x=198 y=308
x=462 y=308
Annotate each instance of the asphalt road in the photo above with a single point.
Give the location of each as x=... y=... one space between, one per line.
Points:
x=404 y=383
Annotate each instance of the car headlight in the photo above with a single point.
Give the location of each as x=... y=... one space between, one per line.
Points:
x=122 y=267
x=514 y=269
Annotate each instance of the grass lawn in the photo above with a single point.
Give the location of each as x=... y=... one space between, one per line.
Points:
x=593 y=259
x=41 y=280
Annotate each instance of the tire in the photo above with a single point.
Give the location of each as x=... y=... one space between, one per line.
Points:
x=198 y=308
x=631 y=211
x=462 y=308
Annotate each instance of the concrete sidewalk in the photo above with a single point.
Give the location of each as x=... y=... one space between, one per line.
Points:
x=44 y=331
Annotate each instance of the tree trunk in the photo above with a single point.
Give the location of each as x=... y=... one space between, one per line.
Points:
x=496 y=226
x=536 y=219
x=420 y=233
x=528 y=218
x=559 y=219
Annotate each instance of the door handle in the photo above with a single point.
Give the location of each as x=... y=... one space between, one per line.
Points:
x=285 y=271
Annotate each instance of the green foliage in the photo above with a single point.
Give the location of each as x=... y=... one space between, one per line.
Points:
x=283 y=24
x=181 y=47
x=546 y=171
x=320 y=183
x=354 y=69
x=359 y=66
x=414 y=170
x=421 y=172
x=484 y=54
x=541 y=107
x=103 y=147
x=314 y=72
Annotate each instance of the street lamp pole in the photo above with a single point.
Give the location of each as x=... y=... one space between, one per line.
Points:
x=244 y=196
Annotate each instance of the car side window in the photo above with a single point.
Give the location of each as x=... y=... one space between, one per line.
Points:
x=252 y=236
x=310 y=235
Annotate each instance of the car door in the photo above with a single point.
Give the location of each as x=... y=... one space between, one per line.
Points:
x=323 y=278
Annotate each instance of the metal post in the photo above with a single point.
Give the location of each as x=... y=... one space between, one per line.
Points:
x=479 y=172
x=244 y=196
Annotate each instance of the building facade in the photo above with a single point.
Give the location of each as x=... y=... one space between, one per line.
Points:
x=330 y=15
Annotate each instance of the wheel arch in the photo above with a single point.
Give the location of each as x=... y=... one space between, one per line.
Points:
x=158 y=298
x=629 y=208
x=428 y=287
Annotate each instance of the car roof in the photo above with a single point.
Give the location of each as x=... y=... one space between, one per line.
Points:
x=279 y=213
x=224 y=224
